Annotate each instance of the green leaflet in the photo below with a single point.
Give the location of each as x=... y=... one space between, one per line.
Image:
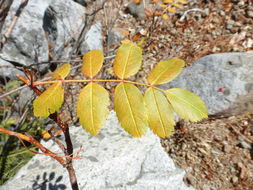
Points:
x=165 y=71
x=92 y=107
x=130 y=109
x=186 y=104
x=92 y=62
x=160 y=113
x=127 y=61
x=49 y=101
x=62 y=71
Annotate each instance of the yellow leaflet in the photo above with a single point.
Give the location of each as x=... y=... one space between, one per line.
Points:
x=62 y=71
x=49 y=101
x=165 y=17
x=171 y=10
x=178 y=5
x=92 y=107
x=168 y=1
x=160 y=113
x=165 y=71
x=130 y=109
x=92 y=62
x=45 y=134
x=182 y=1
x=186 y=104
x=127 y=61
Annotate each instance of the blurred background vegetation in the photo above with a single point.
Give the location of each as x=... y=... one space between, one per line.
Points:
x=13 y=116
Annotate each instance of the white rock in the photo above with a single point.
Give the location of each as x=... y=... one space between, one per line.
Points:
x=110 y=161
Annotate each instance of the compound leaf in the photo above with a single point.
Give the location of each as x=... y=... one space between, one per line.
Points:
x=186 y=104
x=130 y=109
x=92 y=107
x=92 y=62
x=165 y=71
x=49 y=101
x=62 y=71
x=160 y=113
x=128 y=60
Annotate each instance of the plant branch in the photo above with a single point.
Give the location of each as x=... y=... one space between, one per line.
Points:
x=31 y=140
x=64 y=127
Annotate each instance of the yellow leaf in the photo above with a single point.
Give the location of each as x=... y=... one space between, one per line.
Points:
x=178 y=5
x=167 y=1
x=92 y=107
x=165 y=16
x=92 y=62
x=49 y=101
x=128 y=60
x=62 y=71
x=182 y=1
x=171 y=10
x=160 y=113
x=45 y=134
x=186 y=104
x=165 y=71
x=130 y=109
x=162 y=5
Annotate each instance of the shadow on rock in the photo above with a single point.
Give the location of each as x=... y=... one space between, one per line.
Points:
x=48 y=181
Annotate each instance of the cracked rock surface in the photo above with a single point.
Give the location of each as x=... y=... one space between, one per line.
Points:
x=111 y=160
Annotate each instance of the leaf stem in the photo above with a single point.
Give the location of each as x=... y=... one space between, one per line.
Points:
x=97 y=80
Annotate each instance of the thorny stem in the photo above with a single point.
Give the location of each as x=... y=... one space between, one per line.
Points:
x=96 y=80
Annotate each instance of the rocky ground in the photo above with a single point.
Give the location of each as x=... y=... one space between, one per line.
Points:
x=218 y=150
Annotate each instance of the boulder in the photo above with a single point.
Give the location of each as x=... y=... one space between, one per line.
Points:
x=224 y=81
x=112 y=160
x=46 y=29
x=7 y=71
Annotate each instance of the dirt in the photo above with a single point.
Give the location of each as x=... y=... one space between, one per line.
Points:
x=218 y=151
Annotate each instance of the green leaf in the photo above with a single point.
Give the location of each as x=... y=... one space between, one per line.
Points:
x=49 y=101
x=186 y=104
x=160 y=113
x=128 y=60
x=62 y=71
x=92 y=107
x=130 y=109
x=92 y=62
x=165 y=71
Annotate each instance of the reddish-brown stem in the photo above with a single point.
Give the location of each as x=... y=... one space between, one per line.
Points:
x=64 y=127
x=35 y=143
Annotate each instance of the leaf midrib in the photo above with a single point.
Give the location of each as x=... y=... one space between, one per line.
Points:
x=157 y=78
x=181 y=99
x=160 y=117
x=126 y=62
x=91 y=110
x=131 y=111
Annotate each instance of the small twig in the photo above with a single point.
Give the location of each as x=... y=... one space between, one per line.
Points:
x=13 y=23
x=183 y=17
x=34 y=142
x=13 y=91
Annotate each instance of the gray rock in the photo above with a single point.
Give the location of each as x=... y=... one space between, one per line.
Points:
x=110 y=161
x=7 y=70
x=42 y=22
x=224 y=81
x=93 y=38
x=136 y=10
